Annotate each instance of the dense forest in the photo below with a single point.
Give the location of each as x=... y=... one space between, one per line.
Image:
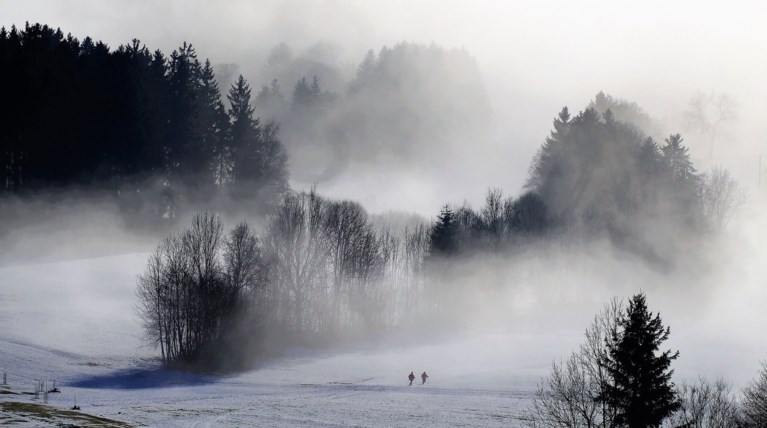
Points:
x=149 y=128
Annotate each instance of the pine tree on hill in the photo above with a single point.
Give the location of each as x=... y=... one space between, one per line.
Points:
x=316 y=89
x=444 y=233
x=215 y=125
x=678 y=159
x=244 y=132
x=641 y=390
x=546 y=160
x=186 y=149
x=302 y=94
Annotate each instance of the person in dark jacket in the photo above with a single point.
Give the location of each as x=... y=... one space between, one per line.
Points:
x=423 y=378
x=412 y=378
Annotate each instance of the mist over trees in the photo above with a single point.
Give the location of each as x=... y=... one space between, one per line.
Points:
x=160 y=135
x=320 y=271
x=405 y=103
x=148 y=128
x=333 y=273
x=598 y=177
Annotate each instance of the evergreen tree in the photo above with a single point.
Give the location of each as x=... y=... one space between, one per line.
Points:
x=545 y=163
x=677 y=159
x=243 y=133
x=271 y=101
x=682 y=182
x=275 y=90
x=365 y=70
x=315 y=88
x=649 y=157
x=640 y=390
x=185 y=145
x=626 y=112
x=444 y=233
x=156 y=113
x=302 y=94
x=214 y=123
x=528 y=214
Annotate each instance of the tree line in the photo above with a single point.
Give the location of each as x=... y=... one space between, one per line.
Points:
x=595 y=177
x=408 y=102
x=150 y=128
x=327 y=270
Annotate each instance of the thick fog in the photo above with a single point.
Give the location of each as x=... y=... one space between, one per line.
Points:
x=534 y=58
x=524 y=61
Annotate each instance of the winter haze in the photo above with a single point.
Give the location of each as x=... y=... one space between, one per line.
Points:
x=407 y=106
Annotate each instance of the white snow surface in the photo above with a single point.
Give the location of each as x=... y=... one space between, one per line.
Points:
x=75 y=322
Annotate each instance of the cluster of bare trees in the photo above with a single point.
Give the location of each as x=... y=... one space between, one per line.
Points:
x=194 y=285
x=333 y=269
x=323 y=269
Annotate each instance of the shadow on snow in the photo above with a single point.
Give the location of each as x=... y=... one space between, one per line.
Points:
x=143 y=379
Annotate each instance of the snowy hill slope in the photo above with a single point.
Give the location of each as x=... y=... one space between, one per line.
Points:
x=74 y=322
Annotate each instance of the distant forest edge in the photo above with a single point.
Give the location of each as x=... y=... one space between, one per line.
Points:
x=156 y=133
x=149 y=128
x=132 y=121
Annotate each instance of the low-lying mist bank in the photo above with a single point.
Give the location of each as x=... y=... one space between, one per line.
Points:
x=711 y=300
x=85 y=221
x=325 y=277
x=66 y=225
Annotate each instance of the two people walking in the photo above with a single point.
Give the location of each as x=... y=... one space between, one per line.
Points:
x=412 y=378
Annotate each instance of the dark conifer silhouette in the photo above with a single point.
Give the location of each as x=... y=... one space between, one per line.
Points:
x=150 y=129
x=640 y=388
x=444 y=233
x=244 y=132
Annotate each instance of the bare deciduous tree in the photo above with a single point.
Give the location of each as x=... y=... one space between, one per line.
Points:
x=754 y=401
x=296 y=247
x=707 y=113
x=722 y=197
x=245 y=269
x=193 y=284
x=706 y=404
x=569 y=397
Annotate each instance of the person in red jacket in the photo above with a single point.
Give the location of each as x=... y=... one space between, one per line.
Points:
x=423 y=378
x=412 y=378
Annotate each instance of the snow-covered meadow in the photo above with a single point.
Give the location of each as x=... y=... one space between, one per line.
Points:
x=73 y=322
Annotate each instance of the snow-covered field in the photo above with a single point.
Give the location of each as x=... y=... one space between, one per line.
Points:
x=74 y=322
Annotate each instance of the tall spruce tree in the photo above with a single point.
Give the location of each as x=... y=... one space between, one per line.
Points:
x=214 y=123
x=444 y=233
x=640 y=390
x=302 y=94
x=185 y=145
x=244 y=133
x=678 y=160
